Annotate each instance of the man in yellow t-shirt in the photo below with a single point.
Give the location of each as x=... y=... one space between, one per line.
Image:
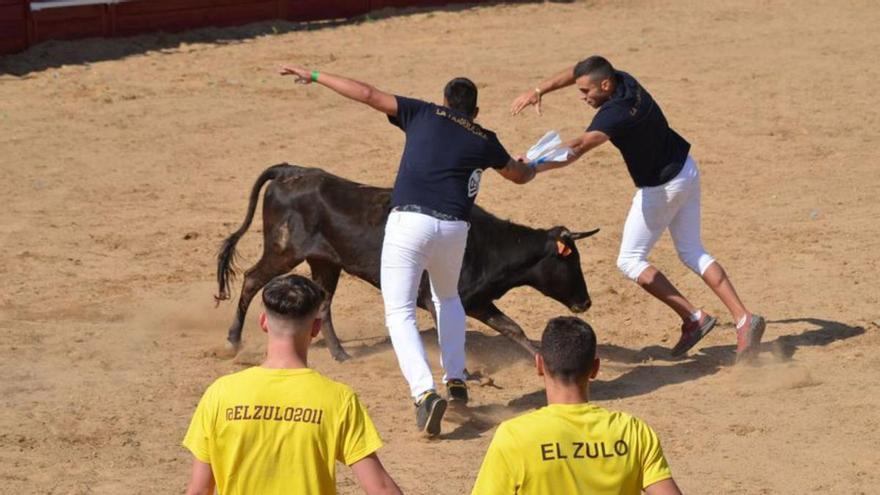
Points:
x=572 y=446
x=281 y=427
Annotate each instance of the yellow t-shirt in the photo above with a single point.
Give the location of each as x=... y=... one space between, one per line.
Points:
x=273 y=431
x=572 y=448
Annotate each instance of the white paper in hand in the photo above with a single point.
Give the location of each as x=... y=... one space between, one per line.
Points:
x=548 y=149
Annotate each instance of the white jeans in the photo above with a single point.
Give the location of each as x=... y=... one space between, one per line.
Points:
x=414 y=243
x=675 y=205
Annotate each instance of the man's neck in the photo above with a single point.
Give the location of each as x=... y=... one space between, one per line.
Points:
x=283 y=354
x=566 y=393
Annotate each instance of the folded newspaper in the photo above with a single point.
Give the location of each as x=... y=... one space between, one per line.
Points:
x=548 y=149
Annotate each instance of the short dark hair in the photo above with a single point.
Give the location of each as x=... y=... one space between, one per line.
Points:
x=597 y=67
x=461 y=95
x=292 y=296
x=568 y=347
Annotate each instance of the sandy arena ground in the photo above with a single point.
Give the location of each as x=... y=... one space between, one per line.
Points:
x=121 y=177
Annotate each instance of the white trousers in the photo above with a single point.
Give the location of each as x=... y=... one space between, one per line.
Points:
x=674 y=205
x=414 y=243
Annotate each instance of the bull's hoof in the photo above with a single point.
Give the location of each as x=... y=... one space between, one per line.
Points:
x=481 y=377
x=340 y=355
x=227 y=351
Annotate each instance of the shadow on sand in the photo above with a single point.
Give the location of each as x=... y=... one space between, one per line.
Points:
x=485 y=352
x=645 y=377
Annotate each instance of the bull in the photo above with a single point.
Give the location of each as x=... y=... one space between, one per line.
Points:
x=334 y=224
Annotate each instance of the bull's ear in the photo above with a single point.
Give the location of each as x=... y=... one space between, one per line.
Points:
x=582 y=235
x=562 y=249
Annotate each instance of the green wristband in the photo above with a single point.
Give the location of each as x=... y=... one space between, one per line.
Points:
x=315 y=76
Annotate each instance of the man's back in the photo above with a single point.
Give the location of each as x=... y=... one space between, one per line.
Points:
x=443 y=158
x=654 y=153
x=279 y=431
x=572 y=448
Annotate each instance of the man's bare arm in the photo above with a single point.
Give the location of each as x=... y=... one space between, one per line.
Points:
x=517 y=171
x=373 y=478
x=201 y=481
x=350 y=88
x=562 y=79
x=665 y=487
x=579 y=146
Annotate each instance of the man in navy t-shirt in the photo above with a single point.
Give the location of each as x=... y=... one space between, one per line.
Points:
x=444 y=155
x=668 y=194
x=443 y=160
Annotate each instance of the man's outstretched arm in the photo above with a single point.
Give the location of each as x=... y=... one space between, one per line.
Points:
x=517 y=171
x=373 y=478
x=579 y=146
x=350 y=88
x=561 y=79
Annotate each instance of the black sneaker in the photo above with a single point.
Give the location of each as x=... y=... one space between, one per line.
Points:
x=457 y=391
x=692 y=332
x=429 y=411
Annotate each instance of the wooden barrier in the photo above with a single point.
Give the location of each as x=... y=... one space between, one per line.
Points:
x=78 y=21
x=13 y=25
x=177 y=15
x=28 y=22
x=315 y=10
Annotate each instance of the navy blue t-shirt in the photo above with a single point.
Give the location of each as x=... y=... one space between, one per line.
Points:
x=654 y=153
x=443 y=159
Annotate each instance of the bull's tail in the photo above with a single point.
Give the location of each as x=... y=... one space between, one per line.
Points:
x=226 y=256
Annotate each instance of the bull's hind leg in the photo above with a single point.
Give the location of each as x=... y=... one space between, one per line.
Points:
x=501 y=323
x=425 y=301
x=270 y=265
x=327 y=276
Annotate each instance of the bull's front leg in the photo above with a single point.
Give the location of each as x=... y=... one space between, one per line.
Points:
x=327 y=276
x=493 y=317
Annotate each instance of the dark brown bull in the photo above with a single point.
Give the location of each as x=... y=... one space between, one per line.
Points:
x=334 y=224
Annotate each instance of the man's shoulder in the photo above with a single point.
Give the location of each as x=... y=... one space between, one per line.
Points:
x=629 y=425
x=333 y=391
x=491 y=137
x=540 y=416
x=625 y=418
x=625 y=76
x=617 y=108
x=343 y=390
x=221 y=386
x=255 y=373
x=408 y=110
x=614 y=416
x=414 y=103
x=612 y=112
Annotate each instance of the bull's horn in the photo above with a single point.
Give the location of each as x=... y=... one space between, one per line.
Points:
x=582 y=235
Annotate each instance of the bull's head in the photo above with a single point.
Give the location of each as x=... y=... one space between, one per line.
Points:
x=558 y=274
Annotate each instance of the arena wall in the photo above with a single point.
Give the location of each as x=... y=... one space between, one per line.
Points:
x=27 y=22
x=13 y=25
